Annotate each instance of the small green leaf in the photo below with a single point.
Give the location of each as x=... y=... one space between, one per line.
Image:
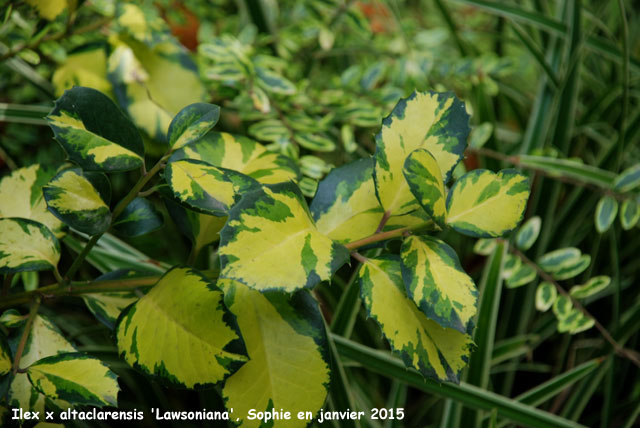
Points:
x=606 y=211
x=522 y=276
x=269 y=130
x=570 y=319
x=94 y=133
x=528 y=233
x=76 y=378
x=422 y=172
x=191 y=123
x=629 y=213
x=21 y=196
x=434 y=121
x=574 y=268
x=487 y=205
x=73 y=199
x=11 y=318
x=484 y=246
x=206 y=188
x=512 y=264
x=269 y=226
x=436 y=282
x=591 y=287
x=627 y=180
x=315 y=142
x=273 y=82
x=181 y=332
x=26 y=245
x=5 y=357
x=480 y=135
x=314 y=167
x=292 y=375
x=546 y=294
x=422 y=343
x=559 y=259
x=138 y=218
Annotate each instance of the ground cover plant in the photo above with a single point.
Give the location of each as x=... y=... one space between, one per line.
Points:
x=424 y=211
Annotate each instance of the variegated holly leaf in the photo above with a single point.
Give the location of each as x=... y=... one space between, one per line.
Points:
x=207 y=188
x=5 y=357
x=436 y=282
x=434 y=121
x=76 y=378
x=422 y=343
x=107 y=307
x=629 y=213
x=546 y=294
x=44 y=340
x=592 y=287
x=422 y=172
x=181 y=332
x=345 y=207
x=241 y=154
x=26 y=245
x=138 y=218
x=292 y=375
x=73 y=199
x=606 y=212
x=21 y=196
x=268 y=227
x=191 y=123
x=94 y=133
x=528 y=233
x=483 y=204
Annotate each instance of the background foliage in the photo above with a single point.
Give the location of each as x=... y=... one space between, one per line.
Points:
x=551 y=88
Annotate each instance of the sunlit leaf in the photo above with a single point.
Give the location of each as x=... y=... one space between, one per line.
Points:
x=26 y=245
x=87 y=67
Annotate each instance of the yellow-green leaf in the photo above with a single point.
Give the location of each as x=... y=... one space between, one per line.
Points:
x=94 y=133
x=484 y=246
x=271 y=242
x=207 y=188
x=76 y=378
x=5 y=357
x=345 y=206
x=434 y=121
x=606 y=212
x=570 y=319
x=84 y=68
x=181 y=332
x=425 y=182
x=241 y=154
x=521 y=276
x=422 y=343
x=49 y=9
x=191 y=123
x=591 y=287
x=21 y=196
x=73 y=199
x=436 y=282
x=546 y=294
x=487 y=205
x=44 y=340
x=26 y=245
x=528 y=233
x=107 y=307
x=511 y=264
x=292 y=374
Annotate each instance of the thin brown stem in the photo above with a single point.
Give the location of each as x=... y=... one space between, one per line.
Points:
x=619 y=349
x=25 y=335
x=359 y=257
x=377 y=237
x=383 y=221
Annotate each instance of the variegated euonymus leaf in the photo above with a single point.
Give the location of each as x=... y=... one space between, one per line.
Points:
x=423 y=174
x=240 y=154
x=528 y=233
x=21 y=196
x=435 y=281
x=606 y=212
x=345 y=207
x=5 y=356
x=422 y=343
x=434 y=121
x=484 y=246
x=76 y=378
x=523 y=275
x=73 y=199
x=270 y=242
x=191 y=123
x=564 y=263
x=511 y=265
x=11 y=318
x=629 y=213
x=97 y=142
x=546 y=294
x=44 y=340
x=570 y=319
x=207 y=188
x=107 y=307
x=138 y=218
x=288 y=365
x=628 y=180
x=484 y=204
x=181 y=332
x=26 y=245
x=592 y=287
